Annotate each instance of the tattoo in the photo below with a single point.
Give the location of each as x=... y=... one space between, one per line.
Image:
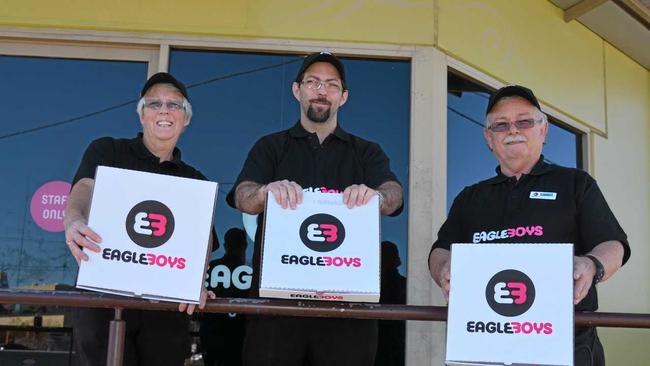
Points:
x=246 y=197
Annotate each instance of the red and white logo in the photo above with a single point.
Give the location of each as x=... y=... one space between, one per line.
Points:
x=510 y=293
x=150 y=224
x=322 y=232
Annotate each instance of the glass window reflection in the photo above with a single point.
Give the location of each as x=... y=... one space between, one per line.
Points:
x=55 y=108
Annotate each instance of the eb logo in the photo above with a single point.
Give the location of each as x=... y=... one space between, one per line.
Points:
x=510 y=293
x=322 y=232
x=150 y=224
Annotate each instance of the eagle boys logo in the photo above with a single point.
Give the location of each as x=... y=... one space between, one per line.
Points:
x=322 y=232
x=150 y=224
x=510 y=293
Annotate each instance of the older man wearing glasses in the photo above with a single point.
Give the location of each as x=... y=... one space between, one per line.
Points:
x=152 y=337
x=574 y=210
x=316 y=154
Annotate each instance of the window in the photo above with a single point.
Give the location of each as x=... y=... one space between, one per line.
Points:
x=53 y=108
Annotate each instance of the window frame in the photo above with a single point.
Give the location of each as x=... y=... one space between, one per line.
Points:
x=559 y=118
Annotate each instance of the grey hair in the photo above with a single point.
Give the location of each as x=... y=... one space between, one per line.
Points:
x=187 y=106
x=539 y=114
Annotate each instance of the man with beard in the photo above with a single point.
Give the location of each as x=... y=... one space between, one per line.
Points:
x=316 y=154
x=573 y=209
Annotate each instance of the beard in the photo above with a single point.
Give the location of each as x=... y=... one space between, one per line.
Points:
x=318 y=116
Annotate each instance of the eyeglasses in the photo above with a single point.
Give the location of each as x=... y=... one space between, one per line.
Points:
x=522 y=124
x=315 y=84
x=172 y=105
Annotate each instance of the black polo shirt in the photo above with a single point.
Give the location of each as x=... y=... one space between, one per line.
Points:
x=296 y=155
x=552 y=204
x=132 y=154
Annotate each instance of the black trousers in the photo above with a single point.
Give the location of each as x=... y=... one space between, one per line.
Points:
x=158 y=338
x=288 y=341
x=588 y=351
x=222 y=339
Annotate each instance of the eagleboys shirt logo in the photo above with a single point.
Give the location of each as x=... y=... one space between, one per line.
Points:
x=510 y=293
x=321 y=189
x=519 y=232
x=149 y=224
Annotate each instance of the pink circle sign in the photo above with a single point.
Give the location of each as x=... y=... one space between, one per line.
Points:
x=48 y=203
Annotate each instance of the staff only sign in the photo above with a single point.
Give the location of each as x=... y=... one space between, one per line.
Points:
x=322 y=250
x=155 y=232
x=510 y=304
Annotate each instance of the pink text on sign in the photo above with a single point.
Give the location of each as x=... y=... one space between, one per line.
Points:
x=48 y=203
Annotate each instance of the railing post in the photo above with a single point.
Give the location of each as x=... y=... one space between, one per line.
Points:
x=116 y=335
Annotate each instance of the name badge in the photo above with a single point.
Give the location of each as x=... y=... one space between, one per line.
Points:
x=535 y=195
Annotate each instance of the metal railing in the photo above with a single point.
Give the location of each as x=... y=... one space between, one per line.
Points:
x=273 y=307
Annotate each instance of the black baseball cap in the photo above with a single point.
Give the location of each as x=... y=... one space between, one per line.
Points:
x=164 y=78
x=509 y=91
x=321 y=57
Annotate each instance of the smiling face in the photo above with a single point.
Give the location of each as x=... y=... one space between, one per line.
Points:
x=163 y=125
x=523 y=146
x=320 y=105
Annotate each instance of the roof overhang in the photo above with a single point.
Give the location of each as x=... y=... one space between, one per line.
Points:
x=623 y=23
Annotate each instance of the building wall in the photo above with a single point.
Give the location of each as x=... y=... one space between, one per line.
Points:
x=342 y=20
x=622 y=169
x=571 y=69
x=530 y=44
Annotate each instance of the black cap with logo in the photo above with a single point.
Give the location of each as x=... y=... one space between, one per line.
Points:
x=510 y=91
x=164 y=78
x=321 y=57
